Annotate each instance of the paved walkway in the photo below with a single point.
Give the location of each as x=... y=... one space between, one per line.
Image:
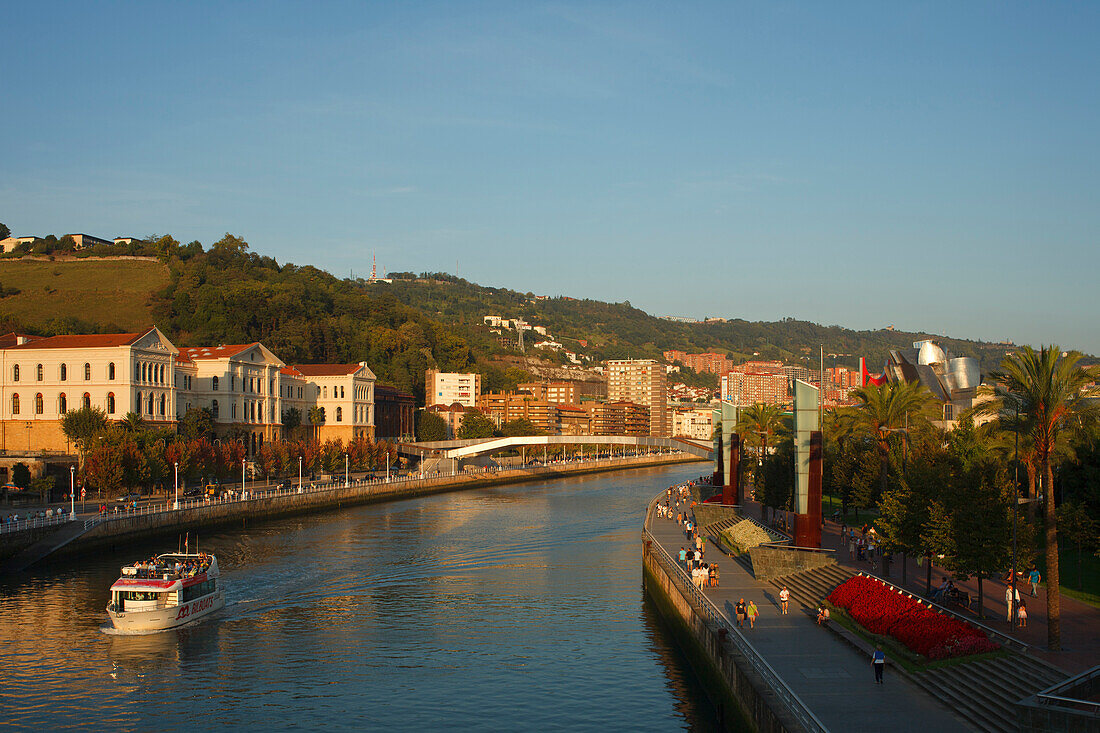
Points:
x=831 y=678
x=1080 y=621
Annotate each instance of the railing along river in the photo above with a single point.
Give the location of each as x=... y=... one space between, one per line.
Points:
x=703 y=605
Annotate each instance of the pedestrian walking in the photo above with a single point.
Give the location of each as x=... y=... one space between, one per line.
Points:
x=752 y=612
x=1034 y=578
x=878 y=661
x=784 y=600
x=1021 y=615
x=740 y=612
x=683 y=556
x=851 y=543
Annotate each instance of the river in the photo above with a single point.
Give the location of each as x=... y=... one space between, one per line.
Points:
x=506 y=608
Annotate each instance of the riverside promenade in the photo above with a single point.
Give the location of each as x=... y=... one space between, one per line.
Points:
x=832 y=680
x=25 y=543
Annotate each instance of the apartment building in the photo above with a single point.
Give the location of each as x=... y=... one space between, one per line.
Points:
x=574 y=420
x=446 y=388
x=710 y=363
x=697 y=423
x=743 y=388
x=644 y=382
x=567 y=392
x=618 y=418
x=502 y=407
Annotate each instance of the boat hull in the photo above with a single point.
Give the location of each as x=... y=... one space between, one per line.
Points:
x=163 y=619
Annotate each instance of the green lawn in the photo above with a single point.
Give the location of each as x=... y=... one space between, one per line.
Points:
x=107 y=292
x=1084 y=585
x=830 y=504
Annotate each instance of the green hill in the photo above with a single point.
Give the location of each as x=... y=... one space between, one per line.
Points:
x=228 y=294
x=81 y=295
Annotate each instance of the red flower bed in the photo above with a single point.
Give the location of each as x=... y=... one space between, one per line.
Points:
x=882 y=610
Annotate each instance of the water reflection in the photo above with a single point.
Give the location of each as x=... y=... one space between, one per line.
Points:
x=503 y=608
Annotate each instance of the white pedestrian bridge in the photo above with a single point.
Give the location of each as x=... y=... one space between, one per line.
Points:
x=584 y=444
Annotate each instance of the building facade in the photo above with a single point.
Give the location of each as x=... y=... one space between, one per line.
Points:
x=644 y=382
x=446 y=388
x=697 y=423
x=246 y=388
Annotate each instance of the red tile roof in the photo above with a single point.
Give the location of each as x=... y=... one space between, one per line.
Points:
x=11 y=339
x=290 y=372
x=326 y=370
x=191 y=353
x=82 y=341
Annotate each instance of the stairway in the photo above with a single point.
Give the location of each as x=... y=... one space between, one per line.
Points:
x=810 y=586
x=983 y=692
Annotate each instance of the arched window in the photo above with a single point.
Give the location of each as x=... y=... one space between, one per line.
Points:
x=162 y=405
x=39 y=404
x=111 y=370
x=38 y=372
x=144 y=372
x=64 y=372
x=150 y=410
x=86 y=401
x=214 y=385
x=161 y=373
x=233 y=411
x=87 y=372
x=324 y=392
x=339 y=414
x=214 y=409
x=140 y=403
x=15 y=373
x=61 y=406
x=15 y=404
x=111 y=402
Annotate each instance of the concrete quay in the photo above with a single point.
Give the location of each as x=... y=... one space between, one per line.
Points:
x=21 y=549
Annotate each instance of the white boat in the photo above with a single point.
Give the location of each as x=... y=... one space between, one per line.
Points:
x=167 y=591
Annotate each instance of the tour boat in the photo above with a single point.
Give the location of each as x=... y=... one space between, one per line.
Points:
x=167 y=591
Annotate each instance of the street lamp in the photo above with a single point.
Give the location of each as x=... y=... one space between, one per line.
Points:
x=176 y=505
x=299 y=474
x=72 y=492
x=243 y=484
x=347 y=483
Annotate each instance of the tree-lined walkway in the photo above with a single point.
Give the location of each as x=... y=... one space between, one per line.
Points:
x=832 y=679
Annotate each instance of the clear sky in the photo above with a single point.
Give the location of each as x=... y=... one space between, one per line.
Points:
x=928 y=165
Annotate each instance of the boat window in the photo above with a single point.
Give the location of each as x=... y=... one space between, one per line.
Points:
x=199 y=590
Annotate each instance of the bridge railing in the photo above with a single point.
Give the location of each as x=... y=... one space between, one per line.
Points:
x=703 y=605
x=33 y=523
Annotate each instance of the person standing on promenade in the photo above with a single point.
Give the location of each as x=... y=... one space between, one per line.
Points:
x=1034 y=578
x=1011 y=607
x=683 y=556
x=784 y=600
x=878 y=661
x=1021 y=615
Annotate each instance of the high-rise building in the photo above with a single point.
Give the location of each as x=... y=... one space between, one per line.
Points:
x=446 y=388
x=645 y=382
x=744 y=389
x=709 y=363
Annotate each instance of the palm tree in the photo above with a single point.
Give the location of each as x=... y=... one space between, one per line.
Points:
x=1057 y=397
x=889 y=408
x=759 y=422
x=316 y=419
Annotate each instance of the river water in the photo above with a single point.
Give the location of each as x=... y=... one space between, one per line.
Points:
x=507 y=608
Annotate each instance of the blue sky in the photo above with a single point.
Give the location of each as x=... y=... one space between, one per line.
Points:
x=927 y=165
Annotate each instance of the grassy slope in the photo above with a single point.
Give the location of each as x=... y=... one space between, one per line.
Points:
x=112 y=293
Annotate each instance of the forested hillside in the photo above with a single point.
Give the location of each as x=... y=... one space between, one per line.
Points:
x=230 y=294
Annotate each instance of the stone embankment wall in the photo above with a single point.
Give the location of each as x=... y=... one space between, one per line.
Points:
x=133 y=527
x=740 y=696
x=769 y=563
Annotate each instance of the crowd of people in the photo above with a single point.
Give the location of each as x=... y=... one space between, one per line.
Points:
x=40 y=514
x=158 y=567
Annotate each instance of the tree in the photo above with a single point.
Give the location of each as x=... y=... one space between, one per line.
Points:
x=972 y=527
x=519 y=427
x=83 y=427
x=21 y=475
x=197 y=423
x=316 y=419
x=132 y=423
x=431 y=427
x=756 y=425
x=4 y=231
x=886 y=409
x=1080 y=529
x=1057 y=397
x=292 y=418
x=475 y=425
x=42 y=486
